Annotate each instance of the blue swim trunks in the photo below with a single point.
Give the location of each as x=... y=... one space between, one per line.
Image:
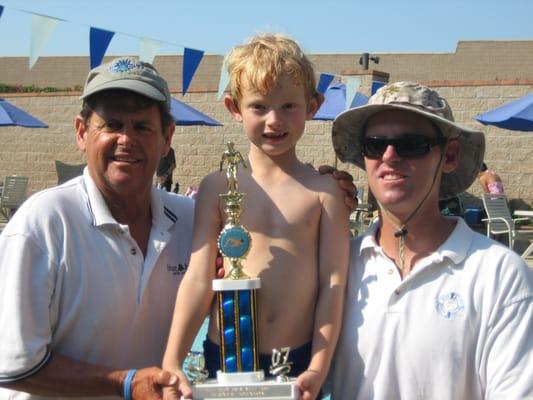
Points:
x=300 y=358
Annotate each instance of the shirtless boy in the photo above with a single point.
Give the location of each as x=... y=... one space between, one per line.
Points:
x=296 y=217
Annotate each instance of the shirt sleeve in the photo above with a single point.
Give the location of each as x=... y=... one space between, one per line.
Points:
x=507 y=355
x=26 y=287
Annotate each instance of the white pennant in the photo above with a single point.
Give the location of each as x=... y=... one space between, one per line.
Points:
x=223 y=81
x=352 y=84
x=41 y=29
x=148 y=49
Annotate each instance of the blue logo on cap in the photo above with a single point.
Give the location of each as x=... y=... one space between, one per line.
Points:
x=123 y=65
x=449 y=305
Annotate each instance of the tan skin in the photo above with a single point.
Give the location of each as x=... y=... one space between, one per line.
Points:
x=289 y=209
x=400 y=184
x=487 y=177
x=123 y=148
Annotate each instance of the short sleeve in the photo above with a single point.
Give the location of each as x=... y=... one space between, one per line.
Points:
x=26 y=287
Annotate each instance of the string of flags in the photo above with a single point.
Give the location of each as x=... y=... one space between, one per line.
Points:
x=43 y=26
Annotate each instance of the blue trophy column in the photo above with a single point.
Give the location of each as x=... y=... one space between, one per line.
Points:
x=237 y=317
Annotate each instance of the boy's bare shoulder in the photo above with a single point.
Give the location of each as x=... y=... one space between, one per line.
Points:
x=210 y=187
x=214 y=180
x=322 y=183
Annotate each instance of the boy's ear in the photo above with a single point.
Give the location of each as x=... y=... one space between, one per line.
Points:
x=232 y=107
x=314 y=105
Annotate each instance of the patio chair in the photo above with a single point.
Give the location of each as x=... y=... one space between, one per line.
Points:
x=13 y=195
x=66 y=171
x=358 y=218
x=499 y=220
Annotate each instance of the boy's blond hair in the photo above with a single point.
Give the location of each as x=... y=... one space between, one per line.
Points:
x=263 y=60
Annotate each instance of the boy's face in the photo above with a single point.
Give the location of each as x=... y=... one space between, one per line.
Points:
x=400 y=183
x=273 y=122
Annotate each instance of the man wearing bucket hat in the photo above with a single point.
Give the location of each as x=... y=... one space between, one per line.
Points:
x=89 y=270
x=433 y=309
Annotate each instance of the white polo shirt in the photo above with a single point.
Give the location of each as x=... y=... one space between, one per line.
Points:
x=458 y=327
x=74 y=282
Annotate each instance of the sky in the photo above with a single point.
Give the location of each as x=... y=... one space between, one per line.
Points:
x=321 y=27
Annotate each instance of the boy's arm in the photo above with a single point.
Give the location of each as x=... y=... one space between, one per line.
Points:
x=195 y=295
x=334 y=240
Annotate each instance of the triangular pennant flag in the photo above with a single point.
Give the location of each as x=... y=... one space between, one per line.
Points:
x=375 y=86
x=99 y=41
x=191 y=60
x=352 y=84
x=323 y=82
x=148 y=48
x=223 y=81
x=41 y=29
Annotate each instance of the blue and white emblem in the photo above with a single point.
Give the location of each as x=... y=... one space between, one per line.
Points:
x=124 y=65
x=449 y=305
x=234 y=242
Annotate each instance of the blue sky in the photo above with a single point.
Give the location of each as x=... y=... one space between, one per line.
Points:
x=327 y=26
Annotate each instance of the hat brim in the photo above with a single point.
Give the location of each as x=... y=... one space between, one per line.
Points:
x=347 y=134
x=136 y=86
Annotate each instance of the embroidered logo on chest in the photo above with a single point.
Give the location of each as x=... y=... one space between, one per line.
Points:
x=449 y=305
x=179 y=269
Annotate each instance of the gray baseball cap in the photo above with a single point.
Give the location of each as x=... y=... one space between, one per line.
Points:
x=348 y=130
x=128 y=73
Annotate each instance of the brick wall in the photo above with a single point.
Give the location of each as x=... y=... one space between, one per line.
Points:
x=198 y=149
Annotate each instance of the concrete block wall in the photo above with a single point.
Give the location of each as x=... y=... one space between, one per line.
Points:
x=32 y=152
x=477 y=77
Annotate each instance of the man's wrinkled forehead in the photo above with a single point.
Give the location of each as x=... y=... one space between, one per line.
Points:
x=121 y=100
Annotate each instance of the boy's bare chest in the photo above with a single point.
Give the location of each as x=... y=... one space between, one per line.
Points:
x=279 y=210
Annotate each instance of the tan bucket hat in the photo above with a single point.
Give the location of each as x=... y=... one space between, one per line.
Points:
x=348 y=130
x=128 y=73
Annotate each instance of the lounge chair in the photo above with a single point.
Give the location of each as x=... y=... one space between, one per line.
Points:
x=66 y=171
x=14 y=193
x=499 y=220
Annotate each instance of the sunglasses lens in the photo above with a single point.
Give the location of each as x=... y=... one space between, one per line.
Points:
x=408 y=146
x=374 y=147
x=412 y=146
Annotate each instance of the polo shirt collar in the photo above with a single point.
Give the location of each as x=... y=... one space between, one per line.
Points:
x=162 y=216
x=454 y=248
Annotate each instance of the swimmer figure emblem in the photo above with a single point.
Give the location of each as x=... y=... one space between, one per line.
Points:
x=240 y=375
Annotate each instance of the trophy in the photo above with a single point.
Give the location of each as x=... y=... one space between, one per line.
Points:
x=240 y=376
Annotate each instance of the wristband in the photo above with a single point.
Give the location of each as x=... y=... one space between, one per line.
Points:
x=127 y=383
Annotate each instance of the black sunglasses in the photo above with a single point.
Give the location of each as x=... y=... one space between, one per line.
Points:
x=406 y=146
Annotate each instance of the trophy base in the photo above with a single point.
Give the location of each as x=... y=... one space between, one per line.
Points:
x=245 y=386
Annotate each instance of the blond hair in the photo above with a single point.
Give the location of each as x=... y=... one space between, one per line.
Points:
x=263 y=60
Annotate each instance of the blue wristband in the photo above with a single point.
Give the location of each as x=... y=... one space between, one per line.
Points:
x=127 y=383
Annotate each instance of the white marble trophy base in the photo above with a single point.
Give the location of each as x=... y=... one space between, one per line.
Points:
x=220 y=285
x=245 y=386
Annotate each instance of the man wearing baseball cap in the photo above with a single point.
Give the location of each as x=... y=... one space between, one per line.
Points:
x=433 y=309
x=89 y=269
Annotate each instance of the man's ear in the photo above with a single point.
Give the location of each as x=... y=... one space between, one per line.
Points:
x=81 y=133
x=168 y=133
x=232 y=107
x=314 y=105
x=452 y=155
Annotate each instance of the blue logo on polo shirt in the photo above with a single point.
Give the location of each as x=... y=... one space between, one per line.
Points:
x=449 y=305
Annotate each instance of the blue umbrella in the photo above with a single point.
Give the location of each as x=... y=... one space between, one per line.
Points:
x=184 y=114
x=516 y=115
x=335 y=102
x=14 y=116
